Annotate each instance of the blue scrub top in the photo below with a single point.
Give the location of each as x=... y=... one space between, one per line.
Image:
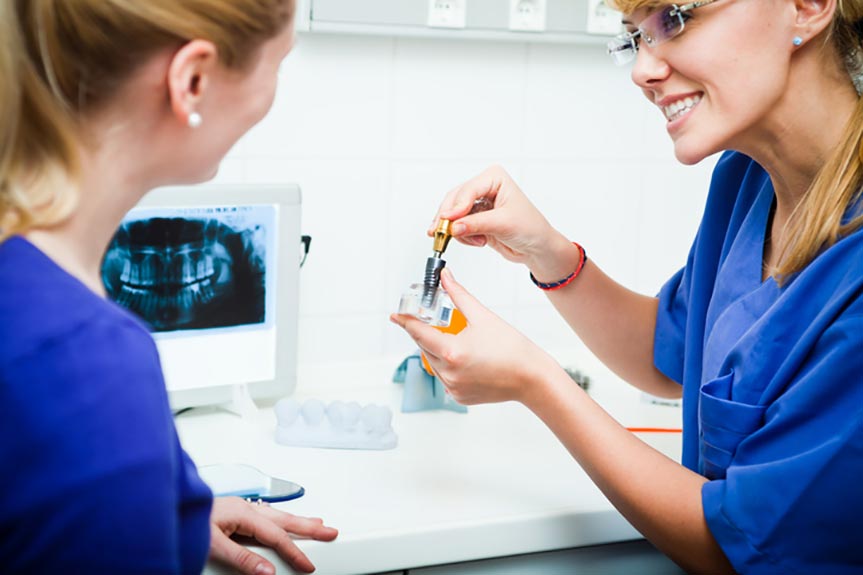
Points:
x=93 y=476
x=772 y=385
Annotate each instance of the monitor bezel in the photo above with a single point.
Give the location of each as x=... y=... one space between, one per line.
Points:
x=288 y=198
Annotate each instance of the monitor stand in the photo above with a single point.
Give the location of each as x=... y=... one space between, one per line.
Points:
x=241 y=402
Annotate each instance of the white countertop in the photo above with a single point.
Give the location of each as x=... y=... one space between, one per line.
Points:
x=489 y=483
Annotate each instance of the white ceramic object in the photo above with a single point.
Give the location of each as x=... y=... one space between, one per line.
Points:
x=338 y=425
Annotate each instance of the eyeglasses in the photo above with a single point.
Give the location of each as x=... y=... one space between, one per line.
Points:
x=657 y=28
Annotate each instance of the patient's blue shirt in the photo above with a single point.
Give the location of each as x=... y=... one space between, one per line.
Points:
x=772 y=385
x=94 y=479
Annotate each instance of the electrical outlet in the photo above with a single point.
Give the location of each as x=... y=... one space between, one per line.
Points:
x=447 y=13
x=601 y=19
x=527 y=15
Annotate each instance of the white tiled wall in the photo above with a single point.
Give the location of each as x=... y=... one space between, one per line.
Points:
x=376 y=130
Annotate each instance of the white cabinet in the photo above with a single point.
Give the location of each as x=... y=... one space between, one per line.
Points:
x=614 y=559
x=577 y=21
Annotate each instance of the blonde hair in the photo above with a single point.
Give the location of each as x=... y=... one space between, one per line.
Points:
x=60 y=59
x=818 y=221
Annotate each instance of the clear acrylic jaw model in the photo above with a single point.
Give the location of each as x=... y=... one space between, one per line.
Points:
x=438 y=314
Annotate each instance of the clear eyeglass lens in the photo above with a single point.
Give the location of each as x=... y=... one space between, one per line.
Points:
x=661 y=26
x=622 y=49
x=655 y=29
x=669 y=23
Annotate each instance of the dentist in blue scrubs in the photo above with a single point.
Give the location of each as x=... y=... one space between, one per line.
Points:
x=760 y=332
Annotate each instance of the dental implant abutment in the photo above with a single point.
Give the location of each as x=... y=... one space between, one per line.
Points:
x=442 y=235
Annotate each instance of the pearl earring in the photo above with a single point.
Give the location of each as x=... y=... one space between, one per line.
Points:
x=797 y=40
x=195 y=120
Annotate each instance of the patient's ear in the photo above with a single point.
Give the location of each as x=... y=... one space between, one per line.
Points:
x=813 y=17
x=189 y=76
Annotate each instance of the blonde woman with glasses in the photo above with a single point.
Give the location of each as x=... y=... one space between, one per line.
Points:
x=761 y=332
x=101 y=101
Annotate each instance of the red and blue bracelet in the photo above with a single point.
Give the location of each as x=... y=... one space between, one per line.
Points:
x=582 y=259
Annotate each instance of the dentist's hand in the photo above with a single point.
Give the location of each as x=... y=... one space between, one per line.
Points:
x=514 y=227
x=271 y=527
x=488 y=361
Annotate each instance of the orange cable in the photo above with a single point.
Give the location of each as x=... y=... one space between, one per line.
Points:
x=653 y=430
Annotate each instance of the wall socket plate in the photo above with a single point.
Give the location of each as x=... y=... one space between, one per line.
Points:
x=447 y=13
x=527 y=15
x=601 y=19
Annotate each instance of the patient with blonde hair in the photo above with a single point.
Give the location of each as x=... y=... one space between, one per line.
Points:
x=102 y=101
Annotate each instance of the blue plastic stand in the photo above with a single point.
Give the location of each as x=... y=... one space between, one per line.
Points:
x=423 y=392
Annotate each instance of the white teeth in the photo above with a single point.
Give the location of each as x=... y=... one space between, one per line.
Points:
x=680 y=107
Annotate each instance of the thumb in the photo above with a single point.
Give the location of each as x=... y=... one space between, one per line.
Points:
x=469 y=305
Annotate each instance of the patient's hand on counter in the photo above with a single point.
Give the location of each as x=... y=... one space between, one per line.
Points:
x=488 y=361
x=268 y=526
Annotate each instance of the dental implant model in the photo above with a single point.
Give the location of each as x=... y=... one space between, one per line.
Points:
x=435 y=264
x=427 y=301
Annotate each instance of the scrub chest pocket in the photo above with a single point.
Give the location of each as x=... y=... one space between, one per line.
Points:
x=724 y=424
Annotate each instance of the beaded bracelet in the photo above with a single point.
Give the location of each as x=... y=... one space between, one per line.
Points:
x=582 y=259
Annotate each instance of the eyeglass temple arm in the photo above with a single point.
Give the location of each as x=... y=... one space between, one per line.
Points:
x=691 y=6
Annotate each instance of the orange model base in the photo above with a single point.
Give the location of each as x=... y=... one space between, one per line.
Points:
x=457 y=323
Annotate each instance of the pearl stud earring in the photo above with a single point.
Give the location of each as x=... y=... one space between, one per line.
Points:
x=195 y=120
x=797 y=40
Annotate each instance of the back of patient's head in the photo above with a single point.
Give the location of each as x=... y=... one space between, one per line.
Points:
x=60 y=60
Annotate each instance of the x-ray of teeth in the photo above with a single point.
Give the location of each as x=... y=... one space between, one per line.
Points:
x=192 y=268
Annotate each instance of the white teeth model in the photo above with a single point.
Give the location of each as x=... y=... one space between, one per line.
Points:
x=338 y=425
x=313 y=411
x=680 y=107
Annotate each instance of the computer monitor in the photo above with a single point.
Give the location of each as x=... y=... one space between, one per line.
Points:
x=213 y=271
